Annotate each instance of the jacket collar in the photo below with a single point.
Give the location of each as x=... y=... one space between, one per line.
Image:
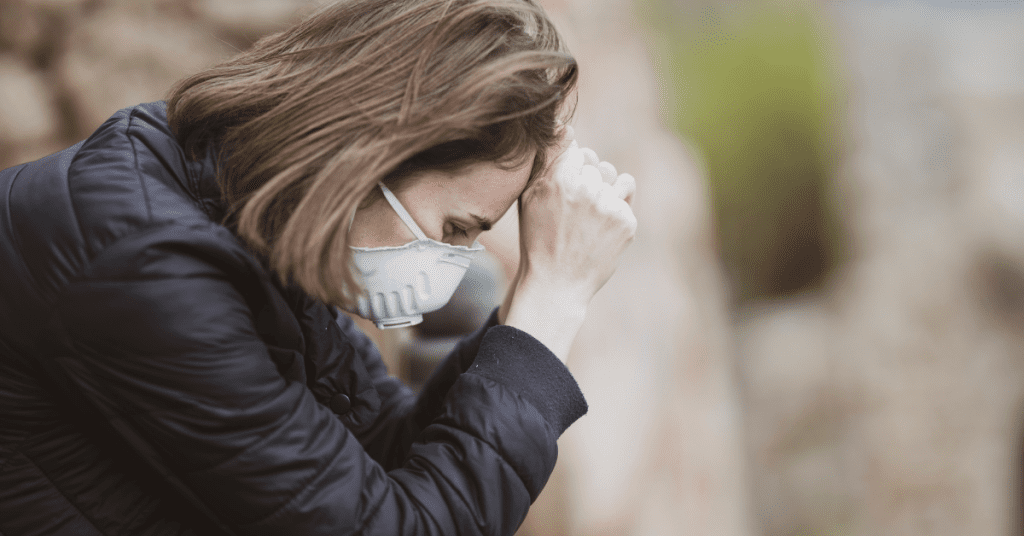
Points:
x=197 y=177
x=204 y=187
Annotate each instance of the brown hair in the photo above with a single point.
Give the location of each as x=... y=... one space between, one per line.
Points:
x=308 y=120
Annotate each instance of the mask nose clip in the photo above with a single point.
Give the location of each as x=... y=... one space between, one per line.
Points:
x=400 y=322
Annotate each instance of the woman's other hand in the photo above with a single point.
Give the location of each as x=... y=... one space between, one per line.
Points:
x=575 y=220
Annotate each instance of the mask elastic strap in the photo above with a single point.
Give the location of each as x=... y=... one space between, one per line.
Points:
x=402 y=213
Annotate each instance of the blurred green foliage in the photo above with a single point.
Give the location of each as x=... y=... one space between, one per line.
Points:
x=752 y=84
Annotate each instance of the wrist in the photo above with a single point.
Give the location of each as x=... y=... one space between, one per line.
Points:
x=551 y=313
x=506 y=303
x=550 y=296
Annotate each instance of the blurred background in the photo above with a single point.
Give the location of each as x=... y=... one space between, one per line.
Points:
x=819 y=329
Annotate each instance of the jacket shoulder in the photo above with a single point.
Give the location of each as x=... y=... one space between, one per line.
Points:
x=63 y=210
x=128 y=175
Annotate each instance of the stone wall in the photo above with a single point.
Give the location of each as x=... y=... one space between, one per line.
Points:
x=67 y=65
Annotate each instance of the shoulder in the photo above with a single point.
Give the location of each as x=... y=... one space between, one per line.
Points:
x=172 y=286
x=129 y=177
x=129 y=174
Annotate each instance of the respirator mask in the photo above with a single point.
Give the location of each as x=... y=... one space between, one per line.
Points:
x=400 y=283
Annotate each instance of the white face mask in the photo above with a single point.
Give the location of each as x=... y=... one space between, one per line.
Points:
x=400 y=283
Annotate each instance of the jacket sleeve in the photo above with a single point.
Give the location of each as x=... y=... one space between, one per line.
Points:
x=403 y=413
x=161 y=336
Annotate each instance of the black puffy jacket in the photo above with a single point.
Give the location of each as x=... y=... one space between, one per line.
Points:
x=156 y=379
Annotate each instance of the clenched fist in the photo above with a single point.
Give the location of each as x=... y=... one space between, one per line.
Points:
x=575 y=220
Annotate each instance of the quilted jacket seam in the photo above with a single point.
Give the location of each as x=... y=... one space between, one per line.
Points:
x=372 y=513
x=71 y=200
x=80 y=277
x=74 y=212
x=299 y=492
x=15 y=451
x=519 y=397
x=490 y=445
x=28 y=273
x=474 y=513
x=62 y=494
x=135 y=164
x=263 y=441
x=7 y=199
x=493 y=447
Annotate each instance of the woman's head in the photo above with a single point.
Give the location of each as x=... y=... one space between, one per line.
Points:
x=310 y=119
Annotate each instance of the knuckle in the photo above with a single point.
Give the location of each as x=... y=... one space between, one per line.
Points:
x=625 y=185
x=625 y=215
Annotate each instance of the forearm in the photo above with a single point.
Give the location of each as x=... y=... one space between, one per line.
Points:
x=388 y=442
x=507 y=302
x=550 y=312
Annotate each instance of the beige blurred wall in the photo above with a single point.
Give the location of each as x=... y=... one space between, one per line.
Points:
x=888 y=402
x=661 y=451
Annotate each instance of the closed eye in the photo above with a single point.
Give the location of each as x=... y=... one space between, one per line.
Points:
x=458 y=231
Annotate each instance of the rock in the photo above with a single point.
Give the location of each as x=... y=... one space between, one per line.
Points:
x=19 y=28
x=20 y=154
x=251 y=19
x=56 y=5
x=795 y=414
x=117 y=59
x=26 y=114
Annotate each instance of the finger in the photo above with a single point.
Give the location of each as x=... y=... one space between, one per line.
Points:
x=590 y=157
x=623 y=212
x=574 y=159
x=591 y=177
x=564 y=154
x=625 y=187
x=608 y=173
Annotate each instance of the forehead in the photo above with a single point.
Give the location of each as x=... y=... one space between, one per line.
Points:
x=484 y=188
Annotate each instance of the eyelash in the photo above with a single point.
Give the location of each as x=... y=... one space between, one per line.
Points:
x=459 y=231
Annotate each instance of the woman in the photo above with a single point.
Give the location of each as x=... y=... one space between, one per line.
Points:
x=171 y=358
